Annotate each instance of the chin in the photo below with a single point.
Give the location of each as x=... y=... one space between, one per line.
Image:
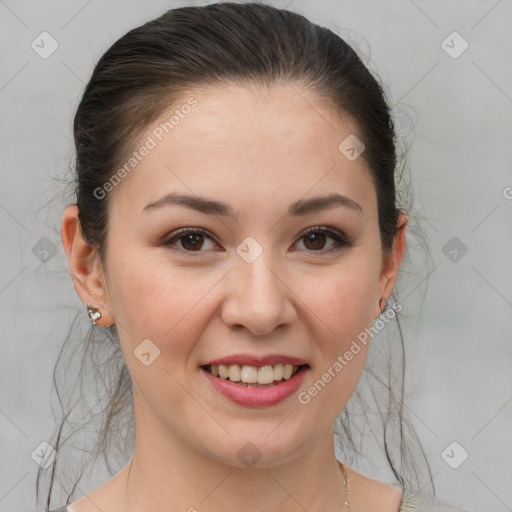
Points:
x=258 y=449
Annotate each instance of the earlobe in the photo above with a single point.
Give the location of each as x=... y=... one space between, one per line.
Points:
x=85 y=266
x=391 y=266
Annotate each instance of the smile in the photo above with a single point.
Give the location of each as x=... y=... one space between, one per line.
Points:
x=270 y=384
x=253 y=376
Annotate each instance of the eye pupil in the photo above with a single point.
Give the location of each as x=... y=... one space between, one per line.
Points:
x=317 y=239
x=193 y=240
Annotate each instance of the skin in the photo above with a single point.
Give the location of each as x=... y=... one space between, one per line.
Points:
x=197 y=307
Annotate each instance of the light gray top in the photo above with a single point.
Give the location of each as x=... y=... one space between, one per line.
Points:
x=411 y=502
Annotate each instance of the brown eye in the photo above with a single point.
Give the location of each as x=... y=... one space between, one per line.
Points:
x=316 y=238
x=196 y=240
x=191 y=240
x=315 y=241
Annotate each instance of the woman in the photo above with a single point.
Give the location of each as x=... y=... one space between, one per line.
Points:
x=236 y=233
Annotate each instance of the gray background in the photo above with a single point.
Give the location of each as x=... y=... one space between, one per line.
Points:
x=454 y=114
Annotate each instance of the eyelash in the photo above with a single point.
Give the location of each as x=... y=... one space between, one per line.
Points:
x=339 y=238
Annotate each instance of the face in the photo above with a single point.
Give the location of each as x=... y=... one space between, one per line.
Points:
x=264 y=274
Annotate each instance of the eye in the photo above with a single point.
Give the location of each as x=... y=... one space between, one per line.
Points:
x=315 y=239
x=191 y=240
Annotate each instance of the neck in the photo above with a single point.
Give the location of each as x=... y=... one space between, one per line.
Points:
x=166 y=473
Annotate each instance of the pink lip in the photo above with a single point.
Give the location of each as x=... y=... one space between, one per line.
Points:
x=257 y=397
x=252 y=360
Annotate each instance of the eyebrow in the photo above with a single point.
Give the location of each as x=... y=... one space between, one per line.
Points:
x=212 y=207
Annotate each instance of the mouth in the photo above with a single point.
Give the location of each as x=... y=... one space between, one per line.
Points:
x=248 y=376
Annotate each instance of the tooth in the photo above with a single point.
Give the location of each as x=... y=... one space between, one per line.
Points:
x=223 y=371
x=278 y=371
x=252 y=374
x=234 y=372
x=287 y=371
x=265 y=374
x=249 y=374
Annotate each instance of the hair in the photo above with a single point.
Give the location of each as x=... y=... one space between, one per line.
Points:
x=137 y=79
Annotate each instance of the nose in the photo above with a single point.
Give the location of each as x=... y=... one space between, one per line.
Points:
x=258 y=297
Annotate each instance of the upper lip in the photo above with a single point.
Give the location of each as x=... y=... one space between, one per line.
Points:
x=253 y=360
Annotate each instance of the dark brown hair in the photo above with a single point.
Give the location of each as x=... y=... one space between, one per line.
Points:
x=150 y=68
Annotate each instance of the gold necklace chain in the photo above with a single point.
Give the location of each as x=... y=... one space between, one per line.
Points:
x=345 y=486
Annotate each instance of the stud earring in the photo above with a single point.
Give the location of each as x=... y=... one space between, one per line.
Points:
x=383 y=307
x=93 y=313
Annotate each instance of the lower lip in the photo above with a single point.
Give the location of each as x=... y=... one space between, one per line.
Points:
x=257 y=397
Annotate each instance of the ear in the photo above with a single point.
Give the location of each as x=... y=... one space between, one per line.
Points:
x=85 y=266
x=391 y=265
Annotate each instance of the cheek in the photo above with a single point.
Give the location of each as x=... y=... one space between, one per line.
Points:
x=154 y=301
x=342 y=298
x=340 y=312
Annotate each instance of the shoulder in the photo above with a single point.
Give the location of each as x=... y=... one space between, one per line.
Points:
x=412 y=502
x=366 y=493
x=378 y=495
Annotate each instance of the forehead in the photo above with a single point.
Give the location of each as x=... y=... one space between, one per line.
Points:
x=242 y=116
x=247 y=144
